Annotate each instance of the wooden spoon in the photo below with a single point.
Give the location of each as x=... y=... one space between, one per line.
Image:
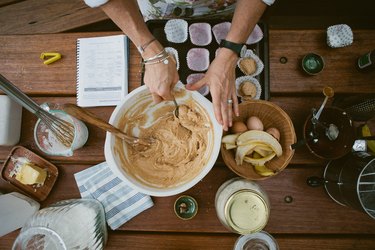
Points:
x=92 y=119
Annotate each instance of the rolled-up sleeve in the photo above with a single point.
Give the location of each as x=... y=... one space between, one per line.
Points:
x=95 y=3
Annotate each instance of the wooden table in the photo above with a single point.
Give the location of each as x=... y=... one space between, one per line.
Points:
x=311 y=221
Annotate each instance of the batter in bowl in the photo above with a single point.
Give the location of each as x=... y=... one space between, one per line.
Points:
x=180 y=149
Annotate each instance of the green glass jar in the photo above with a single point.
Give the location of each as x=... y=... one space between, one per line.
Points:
x=366 y=61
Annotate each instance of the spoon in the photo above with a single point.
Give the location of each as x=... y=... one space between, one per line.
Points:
x=328 y=93
x=90 y=118
x=176 y=113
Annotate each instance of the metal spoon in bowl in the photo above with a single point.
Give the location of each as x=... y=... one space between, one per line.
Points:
x=90 y=118
x=176 y=113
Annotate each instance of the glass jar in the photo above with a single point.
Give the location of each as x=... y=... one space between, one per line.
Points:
x=242 y=206
x=259 y=241
x=69 y=224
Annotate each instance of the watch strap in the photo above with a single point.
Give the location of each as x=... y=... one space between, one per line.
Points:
x=235 y=47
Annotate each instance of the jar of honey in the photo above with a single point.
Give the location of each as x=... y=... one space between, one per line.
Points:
x=242 y=206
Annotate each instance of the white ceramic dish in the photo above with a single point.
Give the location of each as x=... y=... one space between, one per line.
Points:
x=131 y=101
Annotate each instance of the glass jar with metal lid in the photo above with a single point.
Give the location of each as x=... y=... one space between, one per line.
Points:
x=242 y=206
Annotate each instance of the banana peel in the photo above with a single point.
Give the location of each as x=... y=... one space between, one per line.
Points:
x=242 y=151
x=259 y=161
x=370 y=143
x=263 y=170
x=257 y=136
x=229 y=146
x=230 y=139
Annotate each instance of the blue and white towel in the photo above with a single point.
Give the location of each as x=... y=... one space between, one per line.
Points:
x=121 y=203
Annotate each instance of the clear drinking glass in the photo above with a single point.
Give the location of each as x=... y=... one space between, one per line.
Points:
x=69 y=224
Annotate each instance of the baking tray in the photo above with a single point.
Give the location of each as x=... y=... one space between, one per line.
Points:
x=260 y=49
x=37 y=192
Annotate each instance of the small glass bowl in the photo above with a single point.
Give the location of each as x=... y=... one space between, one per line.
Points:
x=185 y=207
x=312 y=63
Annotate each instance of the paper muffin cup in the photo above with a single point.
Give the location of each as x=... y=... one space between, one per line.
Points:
x=174 y=53
x=339 y=35
x=176 y=30
x=255 y=36
x=200 y=34
x=254 y=81
x=250 y=55
x=220 y=31
x=198 y=59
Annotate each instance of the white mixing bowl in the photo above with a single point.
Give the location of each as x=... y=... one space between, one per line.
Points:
x=134 y=99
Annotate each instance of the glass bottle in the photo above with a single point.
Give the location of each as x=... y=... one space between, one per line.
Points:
x=367 y=61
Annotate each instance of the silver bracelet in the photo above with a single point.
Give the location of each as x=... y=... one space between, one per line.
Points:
x=159 y=55
x=141 y=48
x=161 y=60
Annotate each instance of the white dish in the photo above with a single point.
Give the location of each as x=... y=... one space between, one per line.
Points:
x=130 y=102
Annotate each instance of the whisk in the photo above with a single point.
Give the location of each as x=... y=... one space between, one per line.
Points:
x=63 y=130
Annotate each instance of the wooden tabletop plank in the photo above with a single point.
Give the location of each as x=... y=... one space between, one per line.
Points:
x=23 y=66
x=45 y=16
x=298 y=109
x=311 y=211
x=340 y=63
x=167 y=241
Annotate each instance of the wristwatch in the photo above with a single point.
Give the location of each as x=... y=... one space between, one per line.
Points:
x=238 y=48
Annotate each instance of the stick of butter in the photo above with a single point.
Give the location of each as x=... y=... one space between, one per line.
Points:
x=31 y=174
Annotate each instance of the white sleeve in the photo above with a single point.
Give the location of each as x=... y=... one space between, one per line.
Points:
x=95 y=3
x=268 y=2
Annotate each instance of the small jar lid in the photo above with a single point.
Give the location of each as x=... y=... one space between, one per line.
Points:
x=246 y=212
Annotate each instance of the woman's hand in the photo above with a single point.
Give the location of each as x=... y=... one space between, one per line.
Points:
x=220 y=77
x=161 y=78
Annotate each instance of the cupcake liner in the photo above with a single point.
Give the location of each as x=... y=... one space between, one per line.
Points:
x=200 y=34
x=220 y=31
x=242 y=64
x=339 y=35
x=176 y=30
x=254 y=81
x=198 y=59
x=255 y=36
x=174 y=53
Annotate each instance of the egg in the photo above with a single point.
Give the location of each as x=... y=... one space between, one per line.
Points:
x=274 y=132
x=238 y=127
x=254 y=123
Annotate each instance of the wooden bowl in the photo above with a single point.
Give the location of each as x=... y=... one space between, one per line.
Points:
x=272 y=116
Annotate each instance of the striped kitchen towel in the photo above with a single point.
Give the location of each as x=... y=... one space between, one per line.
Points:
x=121 y=203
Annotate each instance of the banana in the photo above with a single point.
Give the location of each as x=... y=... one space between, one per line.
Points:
x=263 y=170
x=370 y=143
x=230 y=139
x=260 y=137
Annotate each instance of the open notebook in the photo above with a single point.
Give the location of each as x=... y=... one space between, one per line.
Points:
x=102 y=70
